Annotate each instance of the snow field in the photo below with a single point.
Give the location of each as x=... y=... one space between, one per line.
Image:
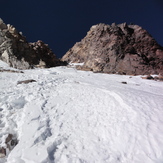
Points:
x=71 y=116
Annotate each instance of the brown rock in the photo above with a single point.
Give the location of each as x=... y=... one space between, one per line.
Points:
x=2 y=152
x=26 y=81
x=122 y=49
x=160 y=78
x=149 y=77
x=18 y=53
x=47 y=57
x=11 y=71
x=124 y=82
x=9 y=138
x=11 y=141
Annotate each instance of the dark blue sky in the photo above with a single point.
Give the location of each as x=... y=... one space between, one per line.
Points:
x=62 y=23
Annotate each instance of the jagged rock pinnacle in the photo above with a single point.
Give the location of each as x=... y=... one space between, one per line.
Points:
x=18 y=53
x=122 y=49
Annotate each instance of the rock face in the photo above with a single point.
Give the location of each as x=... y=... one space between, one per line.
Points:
x=18 y=53
x=10 y=141
x=45 y=55
x=122 y=49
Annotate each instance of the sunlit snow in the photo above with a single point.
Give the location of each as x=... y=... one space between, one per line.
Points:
x=71 y=116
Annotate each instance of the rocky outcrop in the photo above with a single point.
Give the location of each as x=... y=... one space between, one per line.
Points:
x=2 y=152
x=45 y=55
x=10 y=142
x=18 y=53
x=122 y=49
x=157 y=78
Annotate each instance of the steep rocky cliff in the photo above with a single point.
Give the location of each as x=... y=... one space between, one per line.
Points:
x=122 y=49
x=18 y=53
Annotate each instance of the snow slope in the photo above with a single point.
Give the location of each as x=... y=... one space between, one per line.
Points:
x=71 y=116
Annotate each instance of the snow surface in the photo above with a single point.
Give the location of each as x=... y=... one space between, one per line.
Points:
x=71 y=116
x=3 y=65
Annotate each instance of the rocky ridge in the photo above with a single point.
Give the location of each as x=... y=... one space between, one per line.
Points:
x=18 y=53
x=122 y=49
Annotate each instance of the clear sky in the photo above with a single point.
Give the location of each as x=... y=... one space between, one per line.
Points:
x=62 y=23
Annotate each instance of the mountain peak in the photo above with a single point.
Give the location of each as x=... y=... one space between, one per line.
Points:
x=122 y=49
x=18 y=53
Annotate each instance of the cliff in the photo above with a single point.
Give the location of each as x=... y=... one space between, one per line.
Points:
x=122 y=49
x=18 y=53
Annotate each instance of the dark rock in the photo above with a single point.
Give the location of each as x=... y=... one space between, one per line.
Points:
x=9 y=138
x=18 y=53
x=149 y=77
x=11 y=141
x=121 y=49
x=26 y=81
x=124 y=82
x=14 y=142
x=11 y=71
x=45 y=54
x=2 y=152
x=156 y=78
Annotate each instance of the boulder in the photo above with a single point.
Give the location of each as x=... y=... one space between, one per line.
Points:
x=149 y=77
x=2 y=152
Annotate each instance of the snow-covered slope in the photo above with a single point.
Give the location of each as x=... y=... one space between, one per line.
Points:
x=71 y=116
